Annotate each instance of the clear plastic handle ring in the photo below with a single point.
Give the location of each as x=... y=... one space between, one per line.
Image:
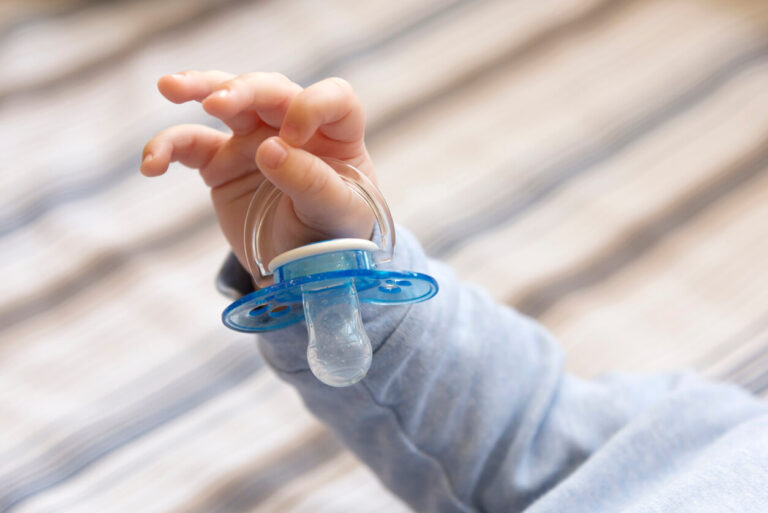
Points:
x=257 y=233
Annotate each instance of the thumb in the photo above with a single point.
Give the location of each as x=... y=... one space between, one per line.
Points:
x=321 y=199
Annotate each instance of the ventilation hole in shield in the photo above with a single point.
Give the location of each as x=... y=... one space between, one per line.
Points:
x=258 y=310
x=279 y=311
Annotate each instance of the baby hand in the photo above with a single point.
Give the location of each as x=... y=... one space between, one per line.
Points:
x=279 y=131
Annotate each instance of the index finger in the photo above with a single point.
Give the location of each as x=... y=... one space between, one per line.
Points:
x=265 y=94
x=191 y=85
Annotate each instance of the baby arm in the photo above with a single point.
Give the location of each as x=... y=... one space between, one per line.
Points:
x=466 y=406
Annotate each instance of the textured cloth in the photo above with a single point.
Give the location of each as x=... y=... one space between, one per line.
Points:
x=599 y=165
x=467 y=408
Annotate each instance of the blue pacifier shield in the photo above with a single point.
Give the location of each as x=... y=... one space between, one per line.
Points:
x=280 y=305
x=324 y=283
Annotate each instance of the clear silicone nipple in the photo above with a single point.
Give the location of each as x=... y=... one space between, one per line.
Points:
x=339 y=351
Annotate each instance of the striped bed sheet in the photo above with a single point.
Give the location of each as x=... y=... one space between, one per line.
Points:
x=601 y=165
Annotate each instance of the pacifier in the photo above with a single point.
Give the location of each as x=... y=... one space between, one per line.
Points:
x=323 y=283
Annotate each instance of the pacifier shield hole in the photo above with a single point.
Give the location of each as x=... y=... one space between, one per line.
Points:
x=390 y=289
x=403 y=283
x=279 y=311
x=258 y=310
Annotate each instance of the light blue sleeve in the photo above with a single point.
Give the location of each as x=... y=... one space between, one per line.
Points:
x=467 y=408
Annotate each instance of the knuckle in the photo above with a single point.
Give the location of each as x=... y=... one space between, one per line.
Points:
x=300 y=107
x=276 y=75
x=341 y=84
x=271 y=76
x=252 y=75
x=318 y=178
x=167 y=133
x=270 y=80
x=247 y=80
x=227 y=85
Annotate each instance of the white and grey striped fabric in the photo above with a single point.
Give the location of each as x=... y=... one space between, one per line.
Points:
x=601 y=165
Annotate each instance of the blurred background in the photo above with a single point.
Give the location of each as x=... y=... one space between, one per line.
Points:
x=601 y=165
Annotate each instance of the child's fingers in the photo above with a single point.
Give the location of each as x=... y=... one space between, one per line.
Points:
x=235 y=158
x=192 y=145
x=265 y=94
x=191 y=85
x=320 y=198
x=197 y=86
x=219 y=157
x=331 y=106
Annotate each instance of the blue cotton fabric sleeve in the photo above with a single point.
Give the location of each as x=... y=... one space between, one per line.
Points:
x=467 y=408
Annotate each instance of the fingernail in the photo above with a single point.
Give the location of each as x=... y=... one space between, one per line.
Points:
x=224 y=93
x=289 y=132
x=144 y=161
x=273 y=154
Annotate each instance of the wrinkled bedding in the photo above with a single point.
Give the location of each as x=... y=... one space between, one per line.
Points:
x=600 y=165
